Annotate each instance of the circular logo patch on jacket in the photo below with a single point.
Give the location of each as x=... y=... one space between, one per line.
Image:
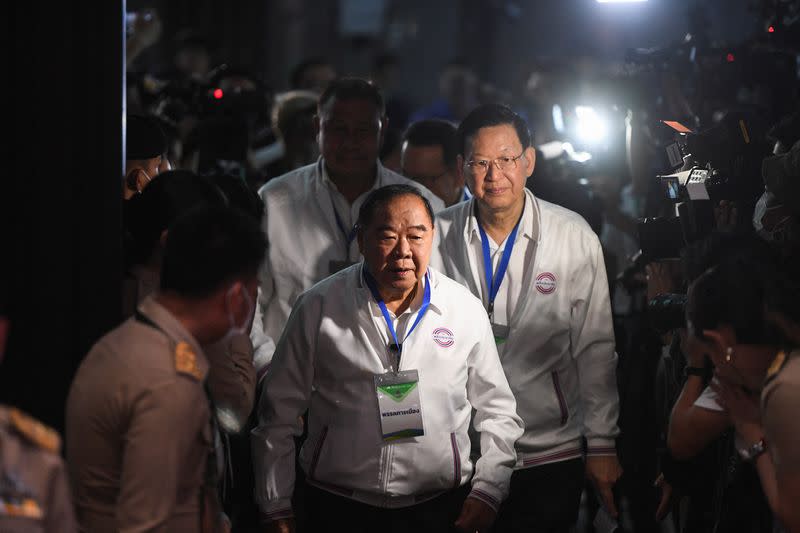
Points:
x=443 y=337
x=546 y=283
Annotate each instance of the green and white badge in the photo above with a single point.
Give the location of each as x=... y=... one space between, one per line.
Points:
x=399 y=405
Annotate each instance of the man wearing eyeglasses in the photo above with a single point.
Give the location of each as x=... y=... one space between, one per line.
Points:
x=538 y=269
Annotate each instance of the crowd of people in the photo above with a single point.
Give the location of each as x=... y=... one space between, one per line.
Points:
x=343 y=313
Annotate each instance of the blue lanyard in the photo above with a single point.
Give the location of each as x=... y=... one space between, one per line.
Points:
x=493 y=282
x=426 y=302
x=348 y=237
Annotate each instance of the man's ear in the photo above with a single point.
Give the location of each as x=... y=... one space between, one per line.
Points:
x=384 y=125
x=530 y=160
x=718 y=340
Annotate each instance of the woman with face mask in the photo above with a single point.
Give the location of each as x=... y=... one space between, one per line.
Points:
x=743 y=314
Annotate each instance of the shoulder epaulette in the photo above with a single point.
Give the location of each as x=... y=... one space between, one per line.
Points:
x=34 y=431
x=186 y=361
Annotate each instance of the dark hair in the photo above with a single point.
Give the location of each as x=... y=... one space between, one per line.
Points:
x=144 y=138
x=239 y=195
x=299 y=70
x=739 y=290
x=170 y=195
x=382 y=196
x=352 y=89
x=434 y=132
x=491 y=115
x=209 y=247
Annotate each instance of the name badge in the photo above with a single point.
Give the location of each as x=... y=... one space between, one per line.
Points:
x=500 y=332
x=336 y=266
x=399 y=406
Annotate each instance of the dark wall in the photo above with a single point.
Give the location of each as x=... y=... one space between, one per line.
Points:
x=64 y=251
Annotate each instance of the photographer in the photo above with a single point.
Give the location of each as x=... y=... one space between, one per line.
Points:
x=749 y=332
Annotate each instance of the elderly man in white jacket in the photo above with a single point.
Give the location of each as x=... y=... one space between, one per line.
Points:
x=310 y=213
x=390 y=358
x=539 y=271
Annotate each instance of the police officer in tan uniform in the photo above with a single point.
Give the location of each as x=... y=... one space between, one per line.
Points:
x=139 y=434
x=34 y=492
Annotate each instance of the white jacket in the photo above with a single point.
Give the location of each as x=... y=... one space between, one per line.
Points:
x=559 y=356
x=303 y=238
x=333 y=345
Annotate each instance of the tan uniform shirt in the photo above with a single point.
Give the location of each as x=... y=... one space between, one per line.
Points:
x=34 y=492
x=780 y=403
x=232 y=379
x=138 y=430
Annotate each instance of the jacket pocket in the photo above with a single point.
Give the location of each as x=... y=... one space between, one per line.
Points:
x=456 y=461
x=562 y=403
x=317 y=452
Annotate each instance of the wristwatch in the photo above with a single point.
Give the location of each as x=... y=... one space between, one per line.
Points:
x=701 y=371
x=753 y=451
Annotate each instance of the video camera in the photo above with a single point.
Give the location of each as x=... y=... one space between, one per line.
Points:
x=720 y=163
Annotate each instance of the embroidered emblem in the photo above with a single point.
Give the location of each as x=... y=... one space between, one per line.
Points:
x=443 y=337
x=546 y=283
x=186 y=361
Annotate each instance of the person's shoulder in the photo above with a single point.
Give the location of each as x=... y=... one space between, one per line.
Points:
x=289 y=184
x=334 y=286
x=454 y=216
x=30 y=431
x=784 y=371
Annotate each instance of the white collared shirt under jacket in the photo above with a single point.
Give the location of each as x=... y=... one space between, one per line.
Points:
x=334 y=343
x=559 y=355
x=304 y=237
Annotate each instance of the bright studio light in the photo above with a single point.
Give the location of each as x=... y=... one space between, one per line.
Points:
x=591 y=128
x=620 y=1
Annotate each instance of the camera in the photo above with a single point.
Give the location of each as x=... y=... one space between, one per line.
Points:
x=667 y=312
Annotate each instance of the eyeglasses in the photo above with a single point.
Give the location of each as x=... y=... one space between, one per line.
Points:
x=481 y=166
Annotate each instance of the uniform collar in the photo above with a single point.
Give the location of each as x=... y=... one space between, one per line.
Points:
x=437 y=299
x=170 y=325
x=529 y=225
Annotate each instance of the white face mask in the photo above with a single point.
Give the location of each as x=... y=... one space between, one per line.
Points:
x=235 y=330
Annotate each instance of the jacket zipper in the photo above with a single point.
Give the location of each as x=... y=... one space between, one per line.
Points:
x=456 y=461
x=562 y=404
x=317 y=452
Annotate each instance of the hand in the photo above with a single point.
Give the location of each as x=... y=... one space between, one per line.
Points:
x=476 y=516
x=693 y=349
x=742 y=408
x=604 y=471
x=284 y=525
x=725 y=214
x=666 y=497
x=659 y=276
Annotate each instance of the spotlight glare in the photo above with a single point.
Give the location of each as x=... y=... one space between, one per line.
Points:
x=591 y=128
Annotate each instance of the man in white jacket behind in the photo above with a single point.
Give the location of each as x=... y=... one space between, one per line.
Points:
x=539 y=271
x=310 y=213
x=390 y=358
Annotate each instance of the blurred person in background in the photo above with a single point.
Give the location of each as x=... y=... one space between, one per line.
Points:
x=293 y=124
x=312 y=74
x=145 y=153
x=459 y=94
x=428 y=156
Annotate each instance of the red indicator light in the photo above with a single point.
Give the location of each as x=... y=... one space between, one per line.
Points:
x=730 y=58
x=218 y=94
x=771 y=29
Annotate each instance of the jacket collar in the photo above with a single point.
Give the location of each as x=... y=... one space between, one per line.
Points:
x=437 y=298
x=529 y=226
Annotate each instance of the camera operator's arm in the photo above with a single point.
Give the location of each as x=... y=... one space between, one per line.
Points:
x=691 y=427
